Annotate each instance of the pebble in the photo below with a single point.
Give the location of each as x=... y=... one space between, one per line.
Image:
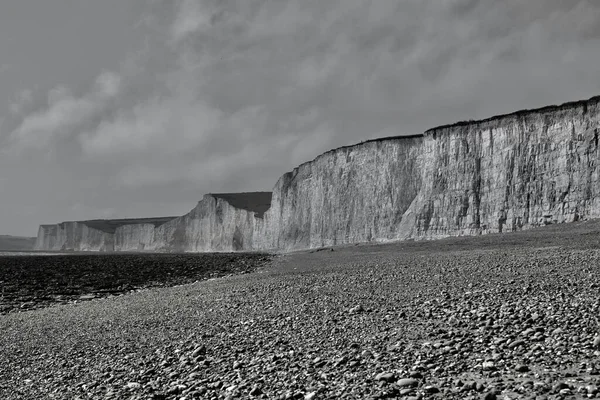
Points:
x=404 y=382
x=488 y=366
x=416 y=375
x=200 y=350
x=256 y=391
x=340 y=361
x=489 y=396
x=521 y=368
x=516 y=343
x=385 y=376
x=557 y=331
x=133 y=385
x=431 y=389
x=565 y=392
x=357 y=309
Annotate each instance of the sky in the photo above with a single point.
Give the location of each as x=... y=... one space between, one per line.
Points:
x=137 y=108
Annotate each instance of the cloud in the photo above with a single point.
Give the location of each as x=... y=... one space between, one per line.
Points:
x=214 y=173
x=81 y=211
x=64 y=113
x=107 y=85
x=190 y=18
x=158 y=125
x=228 y=95
x=22 y=102
x=368 y=67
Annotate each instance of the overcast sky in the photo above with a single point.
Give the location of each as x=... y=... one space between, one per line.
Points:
x=135 y=108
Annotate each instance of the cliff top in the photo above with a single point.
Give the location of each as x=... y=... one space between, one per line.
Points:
x=521 y=113
x=257 y=202
x=111 y=225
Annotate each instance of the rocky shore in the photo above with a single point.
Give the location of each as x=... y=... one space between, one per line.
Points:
x=511 y=316
x=30 y=280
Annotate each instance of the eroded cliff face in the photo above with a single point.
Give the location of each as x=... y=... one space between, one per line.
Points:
x=509 y=173
x=352 y=194
x=505 y=173
x=213 y=225
x=134 y=237
x=46 y=238
x=96 y=235
x=73 y=235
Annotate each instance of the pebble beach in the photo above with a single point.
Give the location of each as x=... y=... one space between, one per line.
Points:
x=513 y=316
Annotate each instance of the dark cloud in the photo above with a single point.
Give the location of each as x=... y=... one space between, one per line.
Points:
x=463 y=8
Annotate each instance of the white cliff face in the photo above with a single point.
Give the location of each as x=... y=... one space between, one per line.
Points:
x=510 y=173
x=134 y=237
x=213 y=225
x=348 y=195
x=73 y=235
x=46 y=238
x=98 y=235
x=503 y=174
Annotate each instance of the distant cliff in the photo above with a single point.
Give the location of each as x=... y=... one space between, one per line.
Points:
x=505 y=173
x=92 y=235
x=219 y=222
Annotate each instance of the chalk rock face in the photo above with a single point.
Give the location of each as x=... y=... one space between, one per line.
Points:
x=220 y=222
x=509 y=173
x=47 y=238
x=506 y=173
x=94 y=235
x=134 y=237
x=73 y=235
x=215 y=224
x=351 y=194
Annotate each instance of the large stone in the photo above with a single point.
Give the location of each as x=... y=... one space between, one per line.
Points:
x=407 y=382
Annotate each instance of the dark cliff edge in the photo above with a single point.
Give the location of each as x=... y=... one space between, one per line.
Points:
x=520 y=113
x=584 y=104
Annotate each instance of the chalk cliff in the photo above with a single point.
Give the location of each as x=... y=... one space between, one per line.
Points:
x=511 y=172
x=505 y=173
x=219 y=222
x=351 y=194
x=92 y=235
